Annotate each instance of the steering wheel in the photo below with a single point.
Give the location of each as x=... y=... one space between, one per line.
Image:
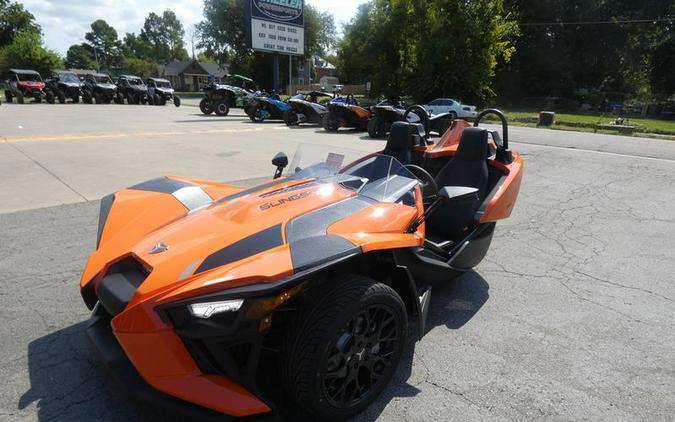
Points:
x=428 y=183
x=422 y=113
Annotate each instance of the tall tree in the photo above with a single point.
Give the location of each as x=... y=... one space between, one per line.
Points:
x=587 y=49
x=437 y=48
x=80 y=56
x=164 y=35
x=13 y=20
x=103 y=38
x=26 y=50
x=320 y=33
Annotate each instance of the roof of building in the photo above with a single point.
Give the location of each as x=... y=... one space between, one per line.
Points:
x=177 y=68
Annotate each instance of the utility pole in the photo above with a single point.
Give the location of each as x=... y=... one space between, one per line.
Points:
x=275 y=72
x=98 y=67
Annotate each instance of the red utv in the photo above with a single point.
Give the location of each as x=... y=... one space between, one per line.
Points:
x=22 y=84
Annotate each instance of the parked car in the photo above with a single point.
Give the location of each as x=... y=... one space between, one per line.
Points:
x=133 y=89
x=451 y=106
x=22 y=83
x=100 y=88
x=161 y=92
x=62 y=85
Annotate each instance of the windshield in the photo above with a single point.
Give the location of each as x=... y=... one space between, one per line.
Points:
x=103 y=80
x=378 y=177
x=162 y=84
x=69 y=77
x=135 y=82
x=23 y=77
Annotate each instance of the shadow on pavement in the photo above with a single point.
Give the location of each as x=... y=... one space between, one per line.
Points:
x=453 y=304
x=68 y=382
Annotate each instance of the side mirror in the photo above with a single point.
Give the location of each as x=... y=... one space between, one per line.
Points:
x=457 y=193
x=280 y=161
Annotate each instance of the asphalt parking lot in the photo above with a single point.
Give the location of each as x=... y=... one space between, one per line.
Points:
x=570 y=317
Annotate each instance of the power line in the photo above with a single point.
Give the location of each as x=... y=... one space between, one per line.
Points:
x=616 y=22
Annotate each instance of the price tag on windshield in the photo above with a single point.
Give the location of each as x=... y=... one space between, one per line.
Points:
x=334 y=161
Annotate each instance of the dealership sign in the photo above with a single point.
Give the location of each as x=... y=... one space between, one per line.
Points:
x=277 y=26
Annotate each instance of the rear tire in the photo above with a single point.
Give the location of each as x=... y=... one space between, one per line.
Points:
x=290 y=118
x=8 y=97
x=330 y=123
x=205 y=106
x=119 y=99
x=372 y=128
x=86 y=97
x=151 y=100
x=222 y=108
x=97 y=98
x=19 y=98
x=50 y=97
x=343 y=347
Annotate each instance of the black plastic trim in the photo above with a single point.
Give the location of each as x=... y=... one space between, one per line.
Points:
x=317 y=250
x=106 y=205
x=316 y=223
x=162 y=184
x=249 y=246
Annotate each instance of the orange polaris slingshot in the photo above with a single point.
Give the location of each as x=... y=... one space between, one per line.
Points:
x=208 y=297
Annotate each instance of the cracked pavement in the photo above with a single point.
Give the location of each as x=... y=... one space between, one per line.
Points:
x=571 y=316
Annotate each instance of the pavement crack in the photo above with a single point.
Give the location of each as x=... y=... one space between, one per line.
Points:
x=63 y=182
x=612 y=283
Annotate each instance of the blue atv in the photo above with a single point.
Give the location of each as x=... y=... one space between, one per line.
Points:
x=261 y=109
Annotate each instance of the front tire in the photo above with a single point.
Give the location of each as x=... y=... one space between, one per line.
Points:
x=176 y=101
x=86 y=97
x=51 y=99
x=330 y=123
x=205 y=106
x=8 y=97
x=343 y=347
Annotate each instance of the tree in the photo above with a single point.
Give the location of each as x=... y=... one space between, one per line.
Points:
x=80 y=56
x=13 y=20
x=662 y=75
x=436 y=48
x=140 y=67
x=571 y=48
x=164 y=37
x=103 y=38
x=320 y=33
x=26 y=51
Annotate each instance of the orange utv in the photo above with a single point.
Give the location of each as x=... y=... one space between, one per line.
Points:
x=208 y=298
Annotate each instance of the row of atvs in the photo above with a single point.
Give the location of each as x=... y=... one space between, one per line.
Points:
x=344 y=112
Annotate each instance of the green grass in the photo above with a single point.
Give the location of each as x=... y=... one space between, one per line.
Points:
x=590 y=122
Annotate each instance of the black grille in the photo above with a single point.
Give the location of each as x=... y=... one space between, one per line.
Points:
x=119 y=284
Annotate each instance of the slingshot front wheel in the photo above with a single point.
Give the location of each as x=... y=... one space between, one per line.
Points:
x=342 y=349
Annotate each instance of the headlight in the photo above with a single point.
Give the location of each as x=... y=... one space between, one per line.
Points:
x=206 y=310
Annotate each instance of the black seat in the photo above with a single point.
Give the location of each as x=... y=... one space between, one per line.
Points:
x=400 y=144
x=468 y=168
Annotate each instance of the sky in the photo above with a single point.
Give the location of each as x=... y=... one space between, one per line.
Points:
x=64 y=22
